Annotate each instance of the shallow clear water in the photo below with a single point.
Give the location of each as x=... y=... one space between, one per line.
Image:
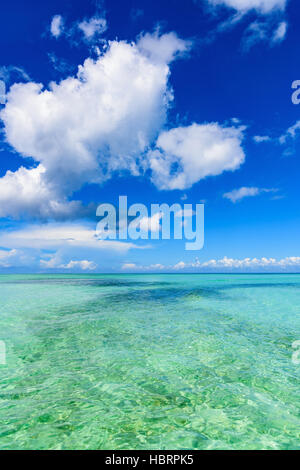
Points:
x=150 y=362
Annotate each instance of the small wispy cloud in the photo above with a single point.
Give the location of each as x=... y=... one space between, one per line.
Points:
x=288 y=137
x=9 y=71
x=291 y=132
x=59 y=64
x=261 y=138
x=264 y=31
x=269 y=26
x=57 y=26
x=239 y=194
x=263 y=7
x=280 y=33
x=92 y=27
x=136 y=13
x=242 y=264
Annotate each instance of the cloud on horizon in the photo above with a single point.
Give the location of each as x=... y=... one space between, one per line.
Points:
x=59 y=246
x=288 y=264
x=72 y=265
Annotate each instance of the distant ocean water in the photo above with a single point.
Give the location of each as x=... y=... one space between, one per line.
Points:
x=149 y=362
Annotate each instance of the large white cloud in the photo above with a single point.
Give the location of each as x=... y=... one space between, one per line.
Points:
x=105 y=120
x=86 y=127
x=185 y=155
x=262 y=6
x=99 y=121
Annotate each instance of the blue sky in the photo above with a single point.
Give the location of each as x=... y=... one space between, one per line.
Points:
x=170 y=101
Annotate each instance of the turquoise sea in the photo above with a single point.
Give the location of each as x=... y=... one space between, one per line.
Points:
x=149 y=362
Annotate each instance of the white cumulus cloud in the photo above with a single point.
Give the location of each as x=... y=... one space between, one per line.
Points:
x=185 y=155
x=163 y=49
x=26 y=192
x=84 y=128
x=88 y=127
